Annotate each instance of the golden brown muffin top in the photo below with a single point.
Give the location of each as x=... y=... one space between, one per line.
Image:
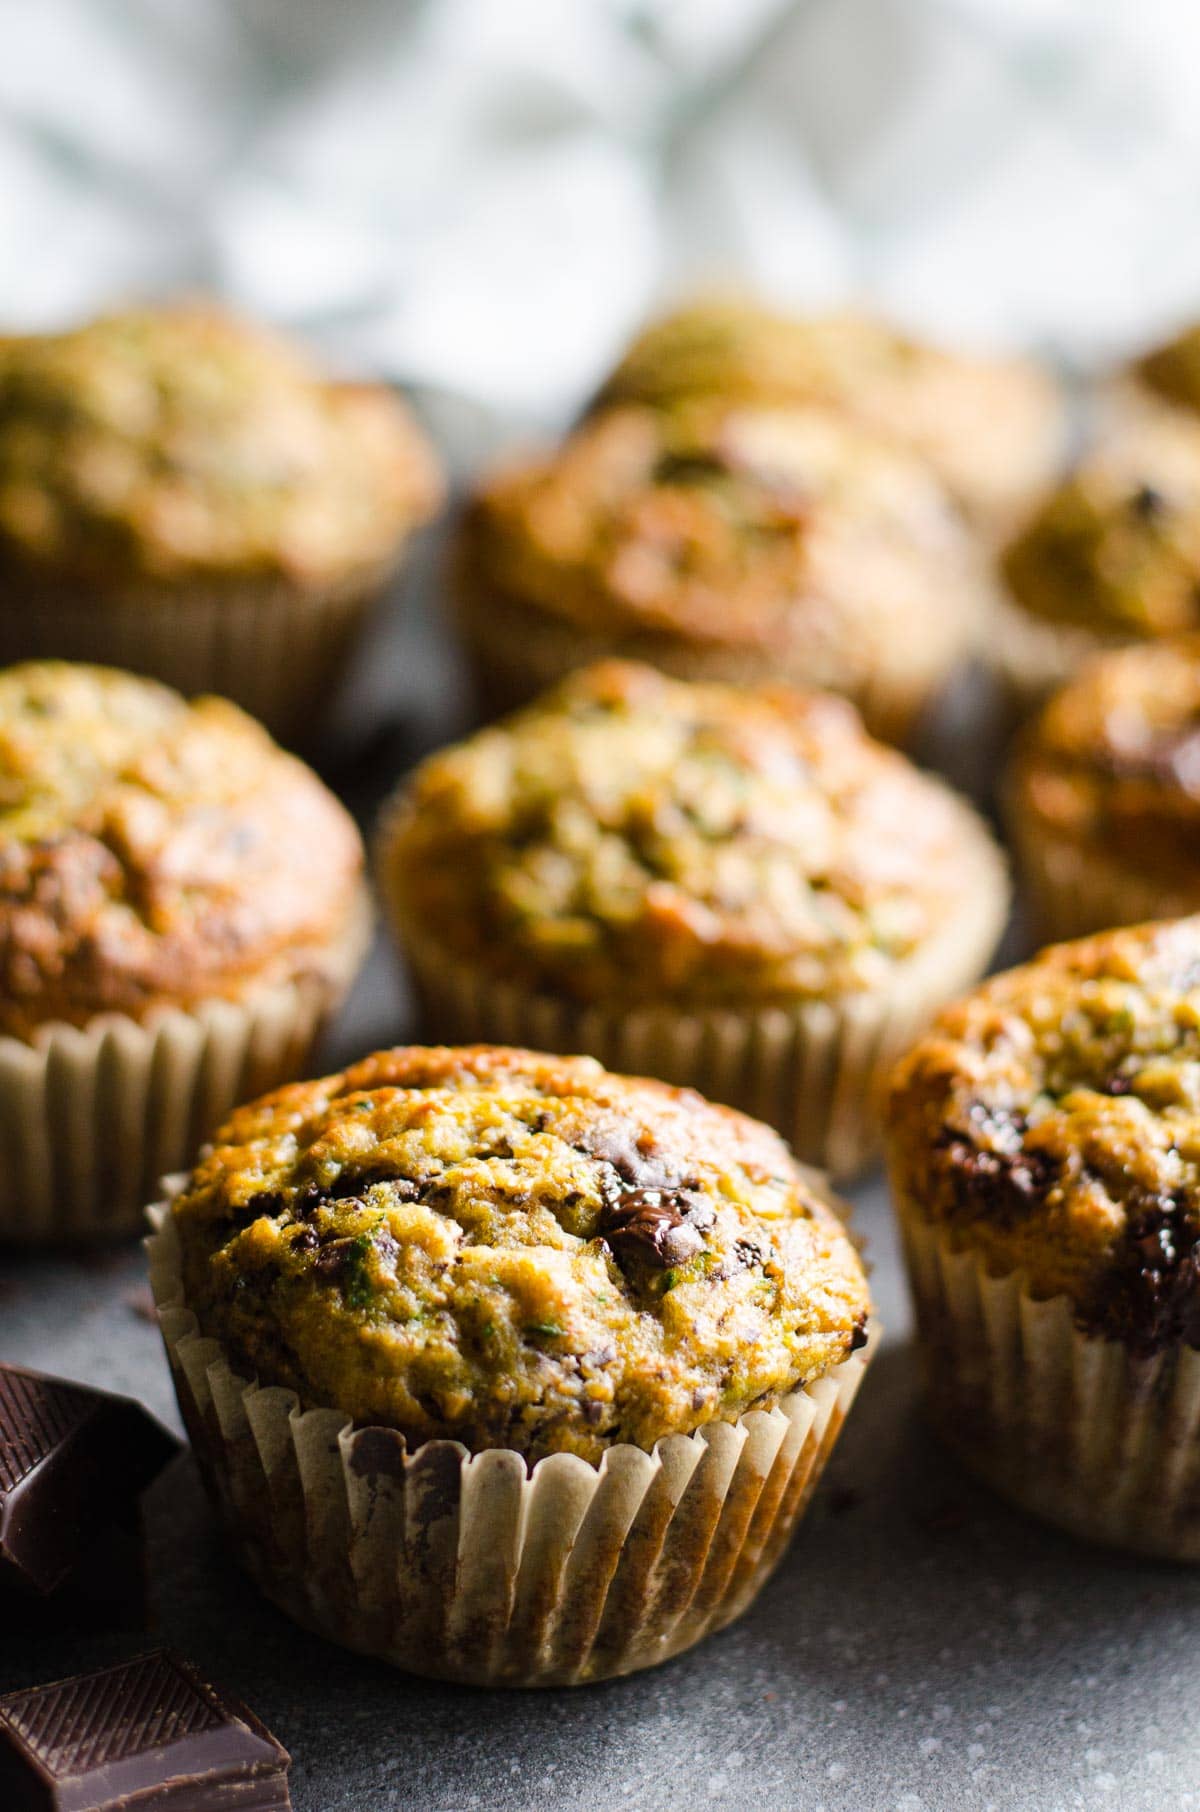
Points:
x=1113 y=762
x=1116 y=548
x=1173 y=369
x=992 y=428
x=154 y=851
x=514 y=1250
x=635 y=838
x=1051 y=1122
x=735 y=528
x=178 y=443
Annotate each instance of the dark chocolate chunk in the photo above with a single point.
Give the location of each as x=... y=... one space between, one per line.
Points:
x=1150 y=1297
x=1147 y=502
x=72 y=1461
x=664 y=1226
x=1002 y=1180
x=147 y=1733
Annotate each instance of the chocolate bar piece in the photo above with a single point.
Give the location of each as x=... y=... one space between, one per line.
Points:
x=149 y=1733
x=73 y=1461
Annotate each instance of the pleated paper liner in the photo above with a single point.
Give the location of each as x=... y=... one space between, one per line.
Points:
x=278 y=650
x=474 y=1568
x=92 y=1117
x=1073 y=891
x=1067 y=1425
x=515 y=651
x=814 y=1071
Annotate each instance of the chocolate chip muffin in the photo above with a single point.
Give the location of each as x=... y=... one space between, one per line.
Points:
x=1104 y=793
x=187 y=495
x=180 y=905
x=1113 y=556
x=1042 y=1142
x=560 y=1269
x=735 y=889
x=739 y=544
x=993 y=429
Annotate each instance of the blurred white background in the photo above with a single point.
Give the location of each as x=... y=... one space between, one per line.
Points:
x=482 y=196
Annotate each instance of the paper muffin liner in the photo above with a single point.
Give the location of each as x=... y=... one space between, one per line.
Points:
x=474 y=1567
x=1070 y=1426
x=1073 y=891
x=92 y=1117
x=276 y=649
x=814 y=1071
x=515 y=651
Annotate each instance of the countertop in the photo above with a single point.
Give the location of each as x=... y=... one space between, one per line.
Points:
x=921 y=1648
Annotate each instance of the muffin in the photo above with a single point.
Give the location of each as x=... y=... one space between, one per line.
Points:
x=993 y=429
x=733 y=889
x=1112 y=557
x=188 y=496
x=1172 y=371
x=1104 y=793
x=739 y=544
x=546 y=1361
x=181 y=904
x=1043 y=1149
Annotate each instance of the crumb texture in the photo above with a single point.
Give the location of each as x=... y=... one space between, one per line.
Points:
x=631 y=837
x=178 y=444
x=515 y=1251
x=1051 y=1122
x=154 y=851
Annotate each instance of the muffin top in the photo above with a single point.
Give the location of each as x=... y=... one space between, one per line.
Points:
x=1114 y=760
x=1116 y=548
x=748 y=527
x=635 y=838
x=514 y=1250
x=178 y=443
x=1173 y=369
x=1051 y=1122
x=154 y=851
x=992 y=428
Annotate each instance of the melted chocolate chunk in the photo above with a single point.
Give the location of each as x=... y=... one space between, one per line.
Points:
x=1150 y=1299
x=660 y=1226
x=859 y=1337
x=1003 y=1181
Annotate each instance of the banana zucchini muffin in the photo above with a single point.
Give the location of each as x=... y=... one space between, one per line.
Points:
x=1104 y=793
x=531 y=1257
x=1112 y=557
x=735 y=889
x=1172 y=371
x=993 y=429
x=188 y=495
x=180 y=904
x=741 y=544
x=1043 y=1142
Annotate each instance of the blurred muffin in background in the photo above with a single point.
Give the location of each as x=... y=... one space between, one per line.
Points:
x=1172 y=370
x=1112 y=556
x=1104 y=793
x=993 y=429
x=735 y=889
x=181 y=906
x=1043 y=1142
x=191 y=497
x=743 y=544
